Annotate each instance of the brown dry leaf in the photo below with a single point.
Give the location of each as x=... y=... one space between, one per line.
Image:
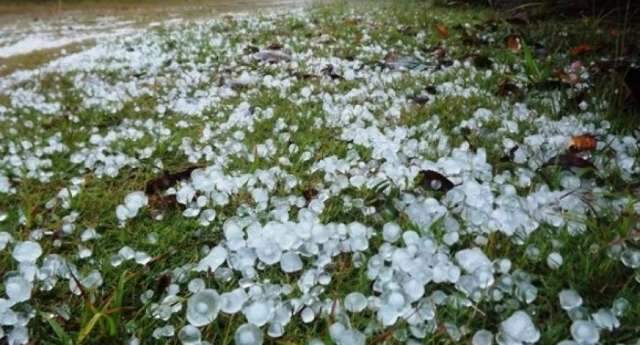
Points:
x=275 y=46
x=162 y=202
x=163 y=282
x=584 y=142
x=167 y=180
x=507 y=88
x=569 y=160
x=442 y=30
x=330 y=71
x=567 y=78
x=430 y=179
x=514 y=43
x=309 y=194
x=582 y=48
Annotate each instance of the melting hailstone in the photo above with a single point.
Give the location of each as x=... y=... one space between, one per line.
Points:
x=216 y=257
x=259 y=312
x=27 y=251
x=482 y=337
x=17 y=288
x=585 y=332
x=355 y=302
x=189 y=335
x=472 y=259
x=520 y=328
x=569 y=299
x=554 y=260
x=203 y=307
x=233 y=301
x=248 y=334
x=5 y=238
x=605 y=319
x=391 y=232
x=290 y=262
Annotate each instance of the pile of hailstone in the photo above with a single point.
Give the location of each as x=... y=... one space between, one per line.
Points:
x=429 y=258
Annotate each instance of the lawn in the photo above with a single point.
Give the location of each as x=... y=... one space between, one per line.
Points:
x=380 y=173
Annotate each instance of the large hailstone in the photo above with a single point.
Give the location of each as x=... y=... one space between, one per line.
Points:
x=17 y=288
x=248 y=334
x=233 y=301
x=203 y=307
x=355 y=302
x=133 y=202
x=259 y=312
x=290 y=262
x=569 y=299
x=472 y=259
x=519 y=328
x=216 y=257
x=585 y=332
x=189 y=335
x=27 y=252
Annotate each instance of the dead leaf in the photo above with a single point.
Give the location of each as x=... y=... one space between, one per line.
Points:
x=330 y=71
x=514 y=43
x=167 y=180
x=433 y=180
x=581 y=49
x=567 y=78
x=395 y=61
x=569 y=160
x=508 y=89
x=275 y=46
x=584 y=142
x=309 y=194
x=162 y=202
x=421 y=99
x=425 y=95
x=272 y=56
x=162 y=283
x=442 y=30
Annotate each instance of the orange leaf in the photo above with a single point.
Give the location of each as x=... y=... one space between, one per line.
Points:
x=582 y=48
x=584 y=142
x=514 y=43
x=442 y=30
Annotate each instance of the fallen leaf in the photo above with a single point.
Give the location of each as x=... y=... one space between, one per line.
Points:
x=168 y=180
x=569 y=160
x=272 y=56
x=508 y=89
x=581 y=49
x=514 y=43
x=430 y=179
x=584 y=142
x=162 y=202
x=421 y=99
x=395 y=61
x=309 y=194
x=567 y=78
x=162 y=283
x=442 y=30
x=330 y=71
x=275 y=46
